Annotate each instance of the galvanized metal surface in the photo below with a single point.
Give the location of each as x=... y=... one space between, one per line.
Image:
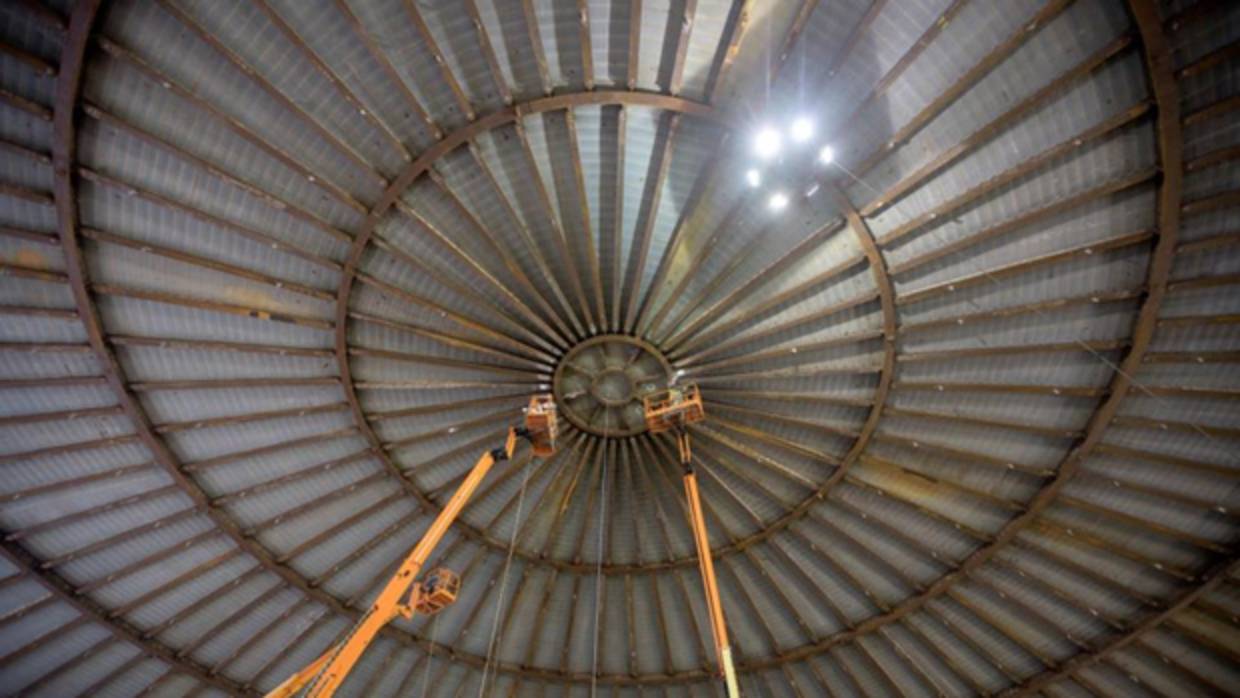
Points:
x=972 y=425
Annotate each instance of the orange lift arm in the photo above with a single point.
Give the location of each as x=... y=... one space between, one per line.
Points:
x=325 y=674
x=673 y=410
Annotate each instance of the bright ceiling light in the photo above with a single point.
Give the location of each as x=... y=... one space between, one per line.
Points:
x=778 y=201
x=767 y=143
x=802 y=130
x=754 y=177
x=827 y=155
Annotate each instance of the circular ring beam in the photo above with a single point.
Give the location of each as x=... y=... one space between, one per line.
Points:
x=599 y=384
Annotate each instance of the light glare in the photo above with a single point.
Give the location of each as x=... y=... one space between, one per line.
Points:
x=802 y=130
x=767 y=143
x=754 y=178
x=778 y=201
x=827 y=155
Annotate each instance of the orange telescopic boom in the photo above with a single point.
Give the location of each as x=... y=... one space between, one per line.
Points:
x=673 y=410
x=439 y=589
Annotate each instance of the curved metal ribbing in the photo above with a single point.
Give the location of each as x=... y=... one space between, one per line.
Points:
x=66 y=207
x=1170 y=195
x=782 y=513
x=399 y=185
x=64 y=147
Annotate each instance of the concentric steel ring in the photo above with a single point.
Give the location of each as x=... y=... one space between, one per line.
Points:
x=600 y=382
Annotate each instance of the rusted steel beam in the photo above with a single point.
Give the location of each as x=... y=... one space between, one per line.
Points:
x=68 y=381
x=440 y=361
x=559 y=236
x=996 y=126
x=1213 y=202
x=1195 y=357
x=676 y=80
x=419 y=23
x=688 y=269
x=488 y=52
x=501 y=250
x=533 y=246
x=205 y=263
x=1004 y=388
x=269 y=199
x=1221 y=432
x=528 y=338
x=28 y=60
x=158 y=78
x=1209 y=61
x=34 y=311
x=966 y=82
x=1026 y=167
x=536 y=44
x=212 y=306
x=422 y=165
x=902 y=64
x=59 y=415
x=946 y=452
x=22 y=151
x=705 y=179
x=32 y=273
x=635 y=44
x=229 y=384
x=120 y=629
x=1211 y=579
x=247 y=418
x=770 y=272
x=1212 y=158
x=639 y=252
x=451 y=340
x=587 y=46
x=617 y=220
x=330 y=75
x=15 y=191
x=211 y=219
x=351 y=521
x=771 y=305
x=799 y=21
x=22 y=104
x=1037 y=308
x=1006 y=350
x=44 y=15
x=29 y=235
x=173 y=344
x=255 y=75
x=993 y=275
x=1213 y=111
x=79 y=515
x=587 y=224
x=784 y=350
x=1028 y=218
x=1158 y=58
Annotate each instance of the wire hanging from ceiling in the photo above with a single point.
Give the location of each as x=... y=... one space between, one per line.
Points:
x=503 y=585
x=598 y=570
x=430 y=656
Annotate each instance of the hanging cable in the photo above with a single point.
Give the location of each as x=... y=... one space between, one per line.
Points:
x=598 y=570
x=503 y=585
x=430 y=656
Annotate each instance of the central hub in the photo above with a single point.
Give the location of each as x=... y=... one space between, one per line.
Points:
x=599 y=384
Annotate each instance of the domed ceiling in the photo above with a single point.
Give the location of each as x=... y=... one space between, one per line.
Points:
x=276 y=272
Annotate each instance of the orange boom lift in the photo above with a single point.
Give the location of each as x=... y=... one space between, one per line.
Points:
x=440 y=587
x=674 y=409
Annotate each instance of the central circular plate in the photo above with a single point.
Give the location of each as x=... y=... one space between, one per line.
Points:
x=599 y=384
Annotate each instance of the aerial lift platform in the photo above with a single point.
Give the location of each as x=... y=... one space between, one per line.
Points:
x=403 y=596
x=673 y=410
x=669 y=410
